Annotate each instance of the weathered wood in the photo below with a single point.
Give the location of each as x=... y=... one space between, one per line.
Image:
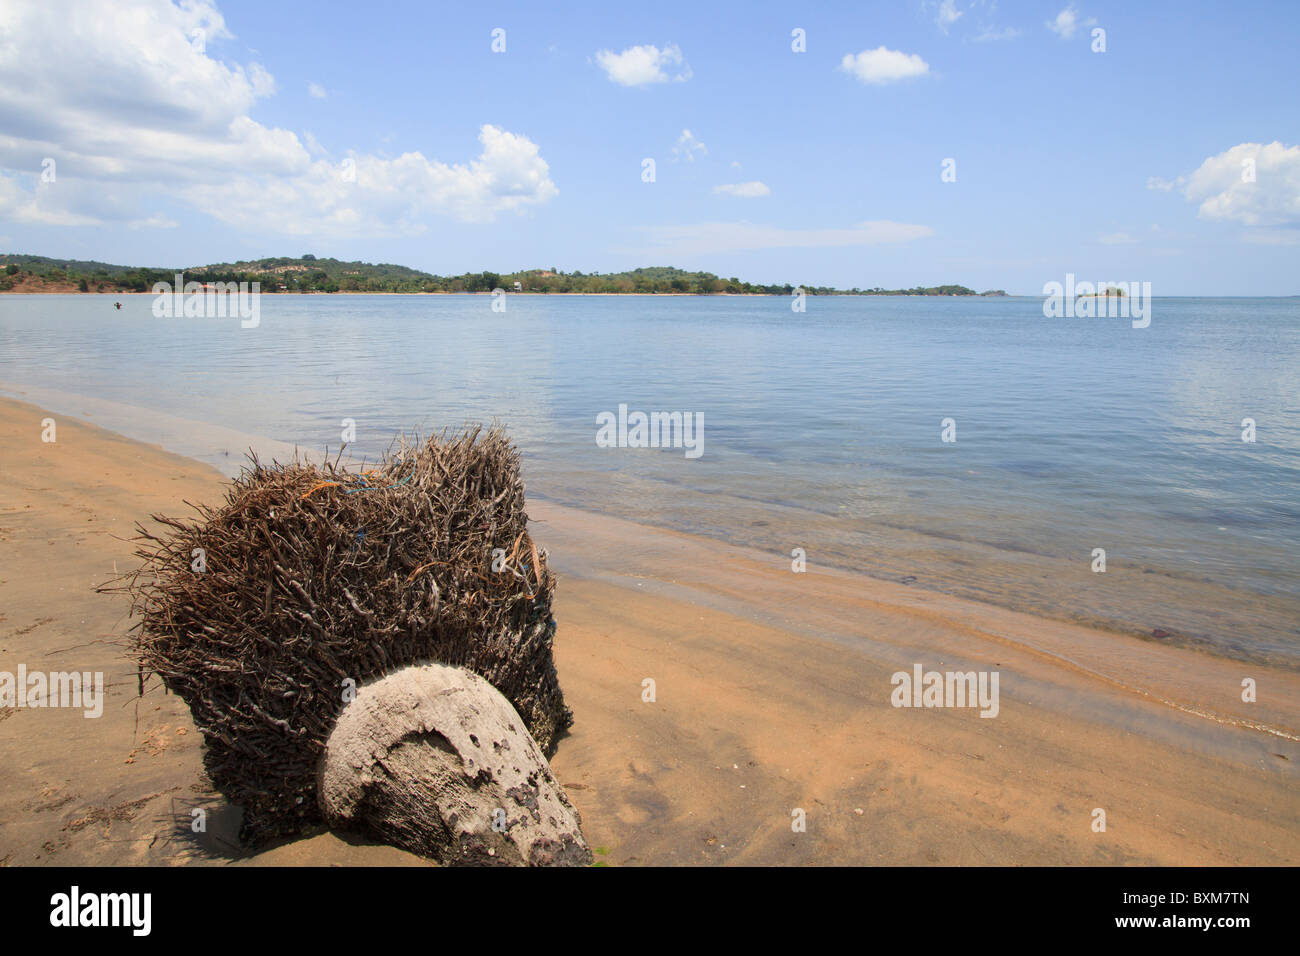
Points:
x=433 y=759
x=316 y=578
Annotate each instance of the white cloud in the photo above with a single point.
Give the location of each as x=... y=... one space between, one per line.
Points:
x=981 y=23
x=687 y=146
x=44 y=205
x=750 y=190
x=643 y=65
x=1067 y=21
x=741 y=236
x=133 y=110
x=882 y=65
x=947 y=15
x=386 y=196
x=1116 y=239
x=131 y=98
x=316 y=90
x=1224 y=191
x=313 y=145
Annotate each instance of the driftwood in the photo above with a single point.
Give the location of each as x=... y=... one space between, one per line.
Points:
x=266 y=612
x=434 y=760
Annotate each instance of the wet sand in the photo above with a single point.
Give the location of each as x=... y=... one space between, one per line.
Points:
x=772 y=695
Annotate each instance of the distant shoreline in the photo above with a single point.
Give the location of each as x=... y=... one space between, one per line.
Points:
x=653 y=295
x=586 y=295
x=307 y=273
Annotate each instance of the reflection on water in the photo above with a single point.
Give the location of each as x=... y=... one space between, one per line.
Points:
x=822 y=429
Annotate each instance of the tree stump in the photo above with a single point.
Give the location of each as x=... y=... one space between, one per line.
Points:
x=311 y=579
x=433 y=759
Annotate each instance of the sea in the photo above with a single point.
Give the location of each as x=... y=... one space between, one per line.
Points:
x=1145 y=480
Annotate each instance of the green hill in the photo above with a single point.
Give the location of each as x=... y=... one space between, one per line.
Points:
x=311 y=274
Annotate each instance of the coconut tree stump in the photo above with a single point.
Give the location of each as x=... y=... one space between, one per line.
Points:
x=433 y=759
x=311 y=578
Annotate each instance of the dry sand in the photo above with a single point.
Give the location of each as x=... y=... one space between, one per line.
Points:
x=772 y=693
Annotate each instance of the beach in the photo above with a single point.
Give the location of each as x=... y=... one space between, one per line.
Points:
x=772 y=695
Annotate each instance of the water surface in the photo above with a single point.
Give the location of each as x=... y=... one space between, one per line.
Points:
x=822 y=430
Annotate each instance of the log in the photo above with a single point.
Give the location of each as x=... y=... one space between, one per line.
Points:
x=433 y=759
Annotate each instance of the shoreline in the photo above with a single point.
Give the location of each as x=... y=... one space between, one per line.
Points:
x=773 y=694
x=1153 y=619
x=590 y=295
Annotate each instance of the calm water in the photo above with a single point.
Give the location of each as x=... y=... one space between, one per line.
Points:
x=821 y=430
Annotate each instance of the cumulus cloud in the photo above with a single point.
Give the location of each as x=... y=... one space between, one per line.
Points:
x=644 y=65
x=883 y=65
x=687 y=146
x=742 y=236
x=131 y=97
x=1253 y=184
x=378 y=196
x=134 y=108
x=316 y=90
x=1116 y=239
x=1067 y=22
x=750 y=190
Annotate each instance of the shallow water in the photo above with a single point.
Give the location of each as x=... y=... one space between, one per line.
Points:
x=822 y=430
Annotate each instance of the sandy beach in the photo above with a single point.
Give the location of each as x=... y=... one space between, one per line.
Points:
x=772 y=694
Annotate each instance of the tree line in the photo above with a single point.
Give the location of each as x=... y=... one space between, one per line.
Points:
x=310 y=274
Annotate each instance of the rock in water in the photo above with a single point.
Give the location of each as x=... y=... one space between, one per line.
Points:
x=433 y=759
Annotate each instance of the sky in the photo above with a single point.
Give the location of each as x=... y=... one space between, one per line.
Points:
x=997 y=145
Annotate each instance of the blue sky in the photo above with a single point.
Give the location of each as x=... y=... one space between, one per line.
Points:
x=1118 y=165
